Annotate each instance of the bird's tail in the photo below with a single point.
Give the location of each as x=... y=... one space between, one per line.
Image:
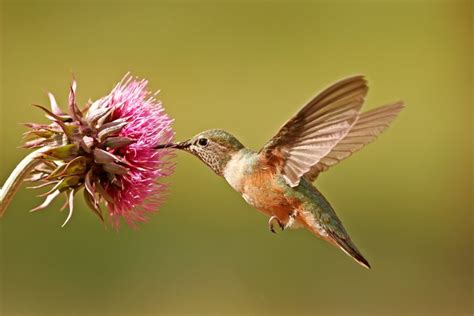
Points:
x=335 y=234
x=346 y=245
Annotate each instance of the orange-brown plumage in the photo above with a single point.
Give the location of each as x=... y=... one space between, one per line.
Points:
x=265 y=194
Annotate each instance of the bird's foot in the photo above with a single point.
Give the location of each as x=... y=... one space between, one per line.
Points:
x=270 y=224
x=291 y=219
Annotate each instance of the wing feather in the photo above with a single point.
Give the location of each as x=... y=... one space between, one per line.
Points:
x=367 y=128
x=313 y=132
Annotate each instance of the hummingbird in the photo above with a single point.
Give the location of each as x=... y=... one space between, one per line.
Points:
x=277 y=180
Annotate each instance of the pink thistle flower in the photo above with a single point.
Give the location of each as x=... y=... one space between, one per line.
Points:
x=107 y=149
x=148 y=125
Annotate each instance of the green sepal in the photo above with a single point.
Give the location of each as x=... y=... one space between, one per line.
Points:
x=102 y=157
x=65 y=152
x=114 y=168
x=93 y=204
x=117 y=142
x=58 y=172
x=103 y=193
x=77 y=166
x=68 y=182
x=111 y=129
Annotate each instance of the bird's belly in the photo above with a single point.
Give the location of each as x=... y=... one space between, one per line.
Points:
x=263 y=193
x=258 y=186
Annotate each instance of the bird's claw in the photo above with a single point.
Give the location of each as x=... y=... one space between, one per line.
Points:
x=270 y=224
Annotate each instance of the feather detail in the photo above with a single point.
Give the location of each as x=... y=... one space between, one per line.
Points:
x=312 y=133
x=367 y=128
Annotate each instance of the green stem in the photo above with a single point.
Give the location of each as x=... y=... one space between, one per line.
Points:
x=17 y=176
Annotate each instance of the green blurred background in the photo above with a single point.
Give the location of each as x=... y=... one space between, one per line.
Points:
x=246 y=67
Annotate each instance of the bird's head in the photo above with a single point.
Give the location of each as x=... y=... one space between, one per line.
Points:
x=213 y=147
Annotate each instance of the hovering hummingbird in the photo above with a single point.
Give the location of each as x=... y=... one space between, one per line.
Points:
x=277 y=180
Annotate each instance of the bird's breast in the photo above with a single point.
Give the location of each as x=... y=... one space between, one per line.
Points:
x=258 y=185
x=236 y=170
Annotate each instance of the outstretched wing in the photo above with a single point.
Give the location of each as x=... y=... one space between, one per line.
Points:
x=312 y=133
x=367 y=128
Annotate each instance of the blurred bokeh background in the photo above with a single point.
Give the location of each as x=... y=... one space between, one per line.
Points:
x=246 y=67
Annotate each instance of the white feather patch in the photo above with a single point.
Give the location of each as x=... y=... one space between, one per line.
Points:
x=233 y=171
x=311 y=221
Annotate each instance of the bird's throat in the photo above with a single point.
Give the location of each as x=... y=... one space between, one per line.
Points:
x=241 y=164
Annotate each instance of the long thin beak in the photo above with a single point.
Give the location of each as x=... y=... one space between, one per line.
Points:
x=181 y=145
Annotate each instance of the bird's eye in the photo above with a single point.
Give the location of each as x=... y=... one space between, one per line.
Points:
x=202 y=142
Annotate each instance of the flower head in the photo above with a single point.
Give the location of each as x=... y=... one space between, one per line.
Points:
x=107 y=149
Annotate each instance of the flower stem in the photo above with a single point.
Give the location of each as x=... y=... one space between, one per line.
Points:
x=17 y=176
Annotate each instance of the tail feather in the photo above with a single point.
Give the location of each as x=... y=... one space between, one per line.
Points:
x=340 y=240
x=349 y=248
x=319 y=218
